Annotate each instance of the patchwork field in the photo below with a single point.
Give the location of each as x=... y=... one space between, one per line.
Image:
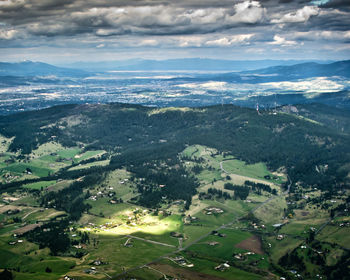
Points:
x=217 y=237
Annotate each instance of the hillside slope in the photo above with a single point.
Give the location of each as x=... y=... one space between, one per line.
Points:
x=286 y=139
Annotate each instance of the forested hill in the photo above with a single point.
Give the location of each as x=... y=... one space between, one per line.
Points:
x=298 y=139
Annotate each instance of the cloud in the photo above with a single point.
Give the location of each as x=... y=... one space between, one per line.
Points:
x=278 y=40
x=249 y=12
x=186 y=26
x=301 y=15
x=9 y=34
x=148 y=43
x=123 y=17
x=327 y=35
x=242 y=39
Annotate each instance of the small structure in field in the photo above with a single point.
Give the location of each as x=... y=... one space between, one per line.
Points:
x=213 y=210
x=222 y=267
x=280 y=237
x=239 y=257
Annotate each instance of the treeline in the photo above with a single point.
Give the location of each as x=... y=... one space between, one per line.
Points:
x=164 y=180
x=243 y=191
x=52 y=235
x=219 y=193
x=240 y=192
x=259 y=187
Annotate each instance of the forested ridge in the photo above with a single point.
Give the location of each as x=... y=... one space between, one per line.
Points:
x=135 y=135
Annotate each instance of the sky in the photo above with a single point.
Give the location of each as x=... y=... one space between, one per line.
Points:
x=64 y=31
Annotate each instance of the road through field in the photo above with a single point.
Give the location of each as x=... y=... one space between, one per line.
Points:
x=201 y=237
x=150 y=241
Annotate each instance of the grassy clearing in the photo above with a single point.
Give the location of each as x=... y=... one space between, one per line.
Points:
x=69 y=153
x=272 y=212
x=225 y=248
x=206 y=266
x=173 y=223
x=111 y=211
x=256 y=171
x=151 y=225
x=335 y=234
x=91 y=164
x=45 y=215
x=46 y=149
x=111 y=249
x=32 y=264
x=208 y=176
x=59 y=185
x=27 y=200
x=192 y=232
x=280 y=247
x=119 y=181
x=88 y=155
x=39 y=185
x=5 y=143
x=239 y=171
x=300 y=224
x=20 y=168
x=145 y=273
x=216 y=219
x=127 y=221
x=300 y=228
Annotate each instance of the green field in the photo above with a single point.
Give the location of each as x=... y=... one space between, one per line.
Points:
x=87 y=155
x=20 y=168
x=231 y=165
x=69 y=153
x=206 y=266
x=256 y=171
x=272 y=212
x=34 y=262
x=335 y=234
x=225 y=249
x=111 y=249
x=280 y=247
x=39 y=185
x=91 y=164
x=114 y=211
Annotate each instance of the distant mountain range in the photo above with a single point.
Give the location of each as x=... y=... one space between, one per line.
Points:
x=30 y=68
x=273 y=73
x=279 y=73
x=306 y=70
x=185 y=64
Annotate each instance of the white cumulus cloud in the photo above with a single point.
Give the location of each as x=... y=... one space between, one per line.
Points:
x=241 y=39
x=301 y=15
x=278 y=40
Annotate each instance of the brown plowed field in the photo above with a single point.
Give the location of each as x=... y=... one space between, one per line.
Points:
x=252 y=244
